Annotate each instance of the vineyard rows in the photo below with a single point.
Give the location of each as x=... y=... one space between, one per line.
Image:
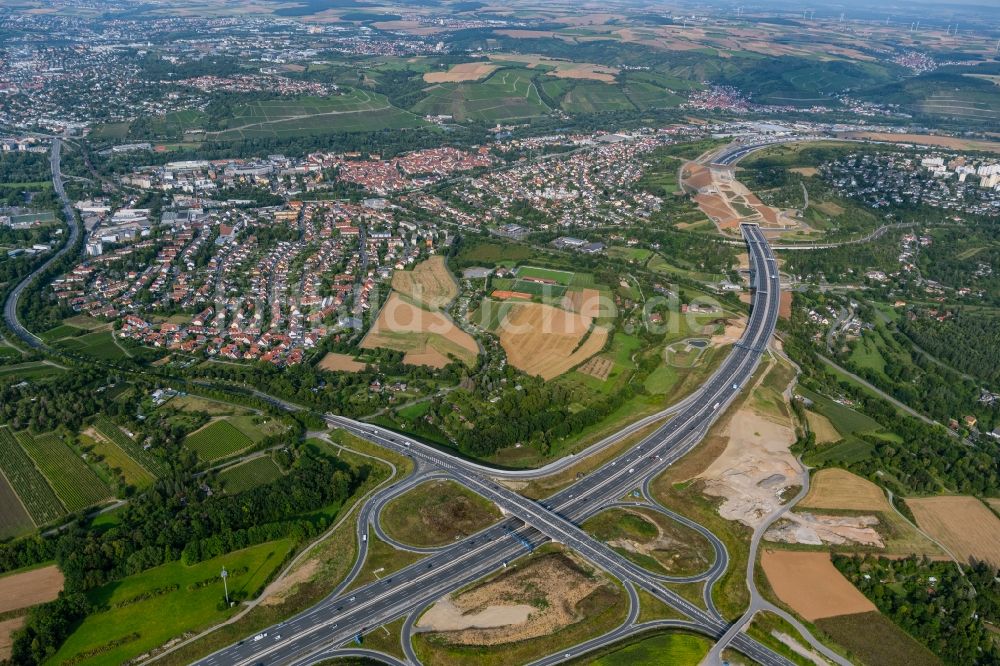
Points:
x=116 y=436
x=217 y=440
x=42 y=504
x=74 y=482
x=248 y=475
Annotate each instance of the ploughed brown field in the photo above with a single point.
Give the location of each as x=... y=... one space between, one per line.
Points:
x=810 y=584
x=30 y=588
x=340 y=362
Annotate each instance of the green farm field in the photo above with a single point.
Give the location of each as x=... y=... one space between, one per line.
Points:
x=144 y=611
x=596 y=98
x=355 y=111
x=509 y=94
x=217 y=440
x=247 y=476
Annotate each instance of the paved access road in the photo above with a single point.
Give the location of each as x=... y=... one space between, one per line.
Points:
x=10 y=307
x=341 y=617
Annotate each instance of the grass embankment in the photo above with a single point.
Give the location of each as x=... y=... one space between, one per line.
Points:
x=141 y=612
x=436 y=513
x=382 y=561
x=652 y=649
x=652 y=541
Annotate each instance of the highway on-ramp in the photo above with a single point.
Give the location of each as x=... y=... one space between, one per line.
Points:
x=343 y=616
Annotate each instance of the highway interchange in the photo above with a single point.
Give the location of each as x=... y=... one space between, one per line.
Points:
x=330 y=628
x=316 y=634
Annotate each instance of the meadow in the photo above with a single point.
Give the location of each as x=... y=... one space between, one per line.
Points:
x=107 y=429
x=141 y=612
x=248 y=475
x=678 y=649
x=117 y=460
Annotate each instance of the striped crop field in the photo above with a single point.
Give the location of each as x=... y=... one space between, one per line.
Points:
x=74 y=482
x=38 y=498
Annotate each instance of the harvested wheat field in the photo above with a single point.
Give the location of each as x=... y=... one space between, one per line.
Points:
x=597 y=367
x=811 y=585
x=564 y=69
x=30 y=588
x=340 y=363
x=533 y=599
x=429 y=283
x=427 y=338
x=822 y=428
x=929 y=140
x=590 y=303
x=839 y=489
x=466 y=71
x=547 y=341
x=962 y=523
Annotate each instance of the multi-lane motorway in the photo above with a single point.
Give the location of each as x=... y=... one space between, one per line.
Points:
x=317 y=633
x=10 y=307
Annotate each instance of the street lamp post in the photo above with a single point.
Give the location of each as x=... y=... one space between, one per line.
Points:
x=225 y=585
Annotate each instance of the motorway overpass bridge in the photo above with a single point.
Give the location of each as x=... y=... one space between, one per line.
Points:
x=329 y=628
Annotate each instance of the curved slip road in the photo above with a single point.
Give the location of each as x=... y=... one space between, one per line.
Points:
x=337 y=620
